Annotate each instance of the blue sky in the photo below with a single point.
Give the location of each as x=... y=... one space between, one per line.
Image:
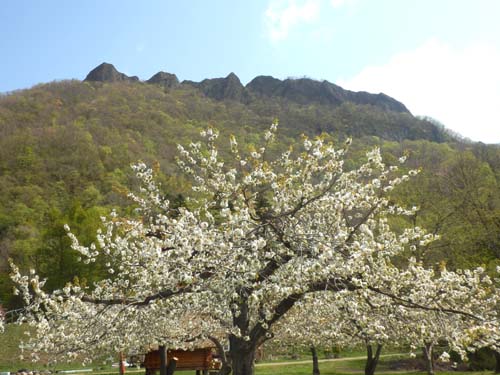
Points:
x=441 y=58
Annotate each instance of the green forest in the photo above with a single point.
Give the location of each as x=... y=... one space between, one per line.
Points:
x=66 y=149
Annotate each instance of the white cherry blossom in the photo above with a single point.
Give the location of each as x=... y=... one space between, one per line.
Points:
x=257 y=235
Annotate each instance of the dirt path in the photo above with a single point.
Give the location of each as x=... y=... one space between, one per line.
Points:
x=268 y=364
x=305 y=362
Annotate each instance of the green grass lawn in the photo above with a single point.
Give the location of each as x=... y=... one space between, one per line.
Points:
x=9 y=348
x=10 y=353
x=9 y=361
x=328 y=368
x=344 y=367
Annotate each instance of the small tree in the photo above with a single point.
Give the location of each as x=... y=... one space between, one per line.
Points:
x=257 y=235
x=487 y=334
x=343 y=319
x=364 y=318
x=471 y=291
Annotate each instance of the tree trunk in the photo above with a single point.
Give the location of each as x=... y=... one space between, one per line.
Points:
x=225 y=369
x=315 y=360
x=372 y=359
x=121 y=364
x=428 y=356
x=242 y=354
x=172 y=364
x=497 y=365
x=163 y=359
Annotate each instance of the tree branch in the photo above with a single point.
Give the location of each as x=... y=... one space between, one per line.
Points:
x=164 y=294
x=413 y=305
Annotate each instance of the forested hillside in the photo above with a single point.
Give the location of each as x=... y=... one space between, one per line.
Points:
x=66 y=149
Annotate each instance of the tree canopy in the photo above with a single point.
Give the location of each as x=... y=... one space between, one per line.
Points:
x=260 y=231
x=66 y=149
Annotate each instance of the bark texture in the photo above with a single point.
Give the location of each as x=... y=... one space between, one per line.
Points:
x=372 y=358
x=314 y=354
x=121 y=364
x=242 y=355
x=429 y=358
x=172 y=364
x=163 y=360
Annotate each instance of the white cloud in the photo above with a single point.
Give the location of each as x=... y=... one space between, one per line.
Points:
x=460 y=87
x=283 y=15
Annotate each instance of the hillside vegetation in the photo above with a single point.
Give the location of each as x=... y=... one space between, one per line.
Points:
x=66 y=149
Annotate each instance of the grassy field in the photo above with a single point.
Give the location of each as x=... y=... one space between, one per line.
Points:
x=10 y=353
x=344 y=367
x=350 y=362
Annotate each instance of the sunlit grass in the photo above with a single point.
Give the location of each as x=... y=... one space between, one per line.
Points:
x=9 y=361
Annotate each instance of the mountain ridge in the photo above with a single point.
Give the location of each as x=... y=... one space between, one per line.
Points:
x=108 y=73
x=66 y=149
x=301 y=90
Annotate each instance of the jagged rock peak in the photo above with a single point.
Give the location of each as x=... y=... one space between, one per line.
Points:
x=108 y=73
x=306 y=91
x=164 y=79
x=264 y=85
x=233 y=77
x=302 y=90
x=229 y=87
